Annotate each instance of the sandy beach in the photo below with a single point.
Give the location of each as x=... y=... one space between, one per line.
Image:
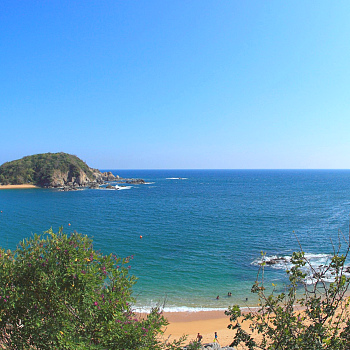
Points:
x=16 y=187
x=204 y=322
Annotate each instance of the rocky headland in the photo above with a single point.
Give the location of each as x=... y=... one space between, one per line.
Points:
x=57 y=170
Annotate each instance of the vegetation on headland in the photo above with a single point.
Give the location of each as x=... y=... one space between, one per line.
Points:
x=316 y=319
x=40 y=169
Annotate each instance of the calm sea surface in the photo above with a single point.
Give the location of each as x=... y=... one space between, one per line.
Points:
x=203 y=230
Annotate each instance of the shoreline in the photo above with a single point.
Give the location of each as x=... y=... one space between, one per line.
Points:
x=17 y=187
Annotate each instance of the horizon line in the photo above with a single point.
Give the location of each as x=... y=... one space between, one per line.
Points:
x=245 y=169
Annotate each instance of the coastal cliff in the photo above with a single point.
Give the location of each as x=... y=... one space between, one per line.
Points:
x=52 y=170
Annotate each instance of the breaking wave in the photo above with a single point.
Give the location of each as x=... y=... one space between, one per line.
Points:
x=315 y=270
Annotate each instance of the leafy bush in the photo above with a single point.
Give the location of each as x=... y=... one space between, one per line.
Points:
x=57 y=292
x=323 y=321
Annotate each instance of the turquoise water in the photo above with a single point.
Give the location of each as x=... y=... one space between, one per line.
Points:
x=202 y=234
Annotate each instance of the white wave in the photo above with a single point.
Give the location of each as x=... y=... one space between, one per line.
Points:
x=149 y=183
x=274 y=261
x=320 y=273
x=122 y=187
x=116 y=187
x=179 y=309
x=315 y=269
x=146 y=309
x=177 y=178
x=284 y=261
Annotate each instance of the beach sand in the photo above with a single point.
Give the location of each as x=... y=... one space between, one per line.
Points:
x=204 y=322
x=9 y=187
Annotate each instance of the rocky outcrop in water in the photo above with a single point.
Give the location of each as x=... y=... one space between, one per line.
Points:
x=134 y=181
x=108 y=176
x=277 y=260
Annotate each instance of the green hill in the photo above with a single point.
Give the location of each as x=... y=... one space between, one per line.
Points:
x=47 y=169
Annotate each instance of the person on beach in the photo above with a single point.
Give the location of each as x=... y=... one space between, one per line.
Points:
x=217 y=298
x=216 y=337
x=199 y=338
x=229 y=294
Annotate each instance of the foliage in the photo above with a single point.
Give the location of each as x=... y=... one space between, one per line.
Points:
x=39 y=169
x=322 y=322
x=57 y=292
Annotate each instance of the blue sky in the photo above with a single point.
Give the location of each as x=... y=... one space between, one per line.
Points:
x=177 y=84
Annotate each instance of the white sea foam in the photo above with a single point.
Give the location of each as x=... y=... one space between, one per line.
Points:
x=122 y=187
x=284 y=261
x=192 y=309
x=116 y=187
x=177 y=178
x=179 y=309
x=315 y=269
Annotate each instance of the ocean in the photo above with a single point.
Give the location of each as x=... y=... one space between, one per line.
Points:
x=202 y=231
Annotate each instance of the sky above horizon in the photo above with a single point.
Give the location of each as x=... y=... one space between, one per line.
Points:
x=177 y=84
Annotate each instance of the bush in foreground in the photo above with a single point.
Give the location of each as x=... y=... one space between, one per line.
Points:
x=314 y=319
x=57 y=292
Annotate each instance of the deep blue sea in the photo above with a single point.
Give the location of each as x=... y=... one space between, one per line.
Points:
x=202 y=231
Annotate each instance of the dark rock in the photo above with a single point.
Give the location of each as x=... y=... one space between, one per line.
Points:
x=135 y=181
x=211 y=346
x=276 y=261
x=94 y=185
x=108 y=176
x=68 y=188
x=215 y=346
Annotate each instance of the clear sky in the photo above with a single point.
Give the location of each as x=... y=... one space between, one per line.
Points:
x=177 y=84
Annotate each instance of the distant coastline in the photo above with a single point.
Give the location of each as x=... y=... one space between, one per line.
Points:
x=16 y=187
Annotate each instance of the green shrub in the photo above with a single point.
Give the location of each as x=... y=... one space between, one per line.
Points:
x=313 y=318
x=57 y=292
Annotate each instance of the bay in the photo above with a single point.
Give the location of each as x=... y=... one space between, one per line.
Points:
x=202 y=230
